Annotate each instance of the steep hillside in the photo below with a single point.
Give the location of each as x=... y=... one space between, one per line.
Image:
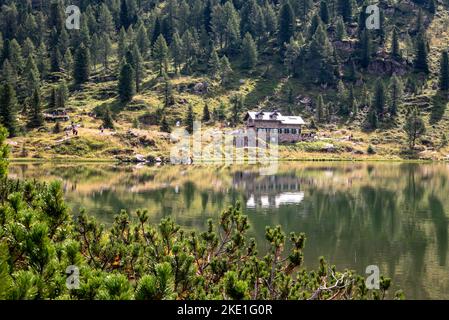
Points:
x=321 y=59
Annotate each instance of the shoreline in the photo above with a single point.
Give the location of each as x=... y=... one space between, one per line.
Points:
x=312 y=159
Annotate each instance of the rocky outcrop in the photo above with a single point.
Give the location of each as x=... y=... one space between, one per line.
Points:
x=387 y=66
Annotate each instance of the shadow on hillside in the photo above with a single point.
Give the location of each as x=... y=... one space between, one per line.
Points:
x=439 y=102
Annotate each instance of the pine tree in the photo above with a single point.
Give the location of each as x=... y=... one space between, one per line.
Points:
x=396 y=89
x=68 y=62
x=365 y=51
x=373 y=119
x=138 y=67
x=106 y=49
x=124 y=14
x=177 y=51
x=160 y=54
x=62 y=94
x=32 y=76
x=206 y=113
x=352 y=103
x=108 y=122
x=379 y=99
x=225 y=70
x=214 y=64
x=126 y=84
x=340 y=32
x=8 y=106
x=395 y=50
x=81 y=70
x=249 y=50
x=345 y=9
x=286 y=23
x=320 y=109
x=414 y=127
x=444 y=71
x=324 y=12
x=165 y=127
x=342 y=97
x=169 y=99
x=190 y=118
x=142 y=40
x=237 y=106
x=122 y=44
x=53 y=99
x=36 y=119
x=421 y=64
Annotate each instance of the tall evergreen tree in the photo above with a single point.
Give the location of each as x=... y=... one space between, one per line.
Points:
x=286 y=23
x=345 y=9
x=379 y=99
x=444 y=71
x=324 y=12
x=320 y=109
x=36 y=118
x=206 y=113
x=414 y=127
x=164 y=126
x=396 y=89
x=126 y=84
x=8 y=109
x=160 y=54
x=395 y=50
x=108 y=121
x=225 y=70
x=190 y=118
x=421 y=63
x=365 y=48
x=81 y=69
x=249 y=50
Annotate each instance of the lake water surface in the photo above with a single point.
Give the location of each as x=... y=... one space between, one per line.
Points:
x=393 y=215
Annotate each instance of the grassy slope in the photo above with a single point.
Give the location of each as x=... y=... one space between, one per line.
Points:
x=265 y=87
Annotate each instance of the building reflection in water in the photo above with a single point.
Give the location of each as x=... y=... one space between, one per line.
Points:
x=269 y=191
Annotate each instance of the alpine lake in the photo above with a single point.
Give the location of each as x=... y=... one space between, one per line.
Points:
x=356 y=214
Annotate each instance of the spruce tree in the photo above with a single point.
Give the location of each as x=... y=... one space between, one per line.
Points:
x=365 y=48
x=36 y=119
x=249 y=50
x=345 y=9
x=164 y=126
x=177 y=51
x=126 y=83
x=81 y=70
x=421 y=63
x=32 y=76
x=138 y=67
x=214 y=64
x=414 y=127
x=286 y=23
x=160 y=54
x=395 y=50
x=190 y=118
x=8 y=106
x=444 y=71
x=108 y=122
x=225 y=70
x=379 y=99
x=324 y=12
x=53 y=99
x=320 y=109
x=169 y=99
x=373 y=119
x=340 y=32
x=396 y=89
x=206 y=113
